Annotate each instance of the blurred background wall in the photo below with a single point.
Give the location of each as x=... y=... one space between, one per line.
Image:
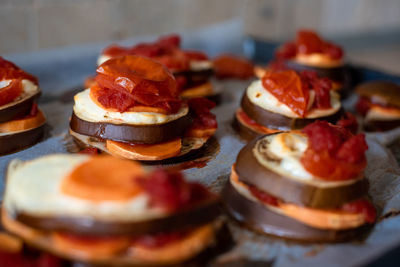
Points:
x=29 y=25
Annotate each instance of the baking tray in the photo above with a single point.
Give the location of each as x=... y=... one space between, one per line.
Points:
x=61 y=73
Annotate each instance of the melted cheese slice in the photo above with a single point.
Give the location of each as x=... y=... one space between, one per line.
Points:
x=261 y=97
x=88 y=110
x=35 y=187
x=287 y=149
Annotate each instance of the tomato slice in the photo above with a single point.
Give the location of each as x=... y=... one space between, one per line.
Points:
x=227 y=66
x=134 y=80
x=308 y=42
x=286 y=86
x=135 y=68
x=361 y=206
x=10 y=71
x=10 y=92
x=195 y=55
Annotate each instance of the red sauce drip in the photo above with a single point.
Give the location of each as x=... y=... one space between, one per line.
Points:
x=10 y=71
x=286 y=86
x=200 y=110
x=10 y=92
x=90 y=151
x=169 y=190
x=308 y=42
x=247 y=119
x=19 y=260
x=86 y=239
x=333 y=152
x=321 y=87
x=228 y=66
x=349 y=122
x=361 y=206
x=363 y=105
x=263 y=196
x=160 y=239
x=132 y=80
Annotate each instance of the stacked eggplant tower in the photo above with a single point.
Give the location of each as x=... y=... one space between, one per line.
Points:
x=310 y=52
x=379 y=105
x=133 y=110
x=284 y=101
x=110 y=211
x=21 y=122
x=306 y=186
x=192 y=69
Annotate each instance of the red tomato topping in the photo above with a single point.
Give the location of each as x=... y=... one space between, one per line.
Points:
x=202 y=117
x=165 y=50
x=170 y=191
x=20 y=260
x=361 y=206
x=286 y=86
x=132 y=80
x=195 y=55
x=263 y=196
x=308 y=42
x=90 y=151
x=349 y=122
x=363 y=105
x=10 y=92
x=287 y=50
x=227 y=66
x=175 y=60
x=333 y=152
x=10 y=71
x=321 y=87
x=160 y=239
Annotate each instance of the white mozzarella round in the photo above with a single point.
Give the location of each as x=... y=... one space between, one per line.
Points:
x=87 y=110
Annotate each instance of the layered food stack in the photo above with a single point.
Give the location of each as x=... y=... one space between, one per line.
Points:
x=192 y=69
x=286 y=100
x=310 y=52
x=133 y=110
x=109 y=211
x=306 y=185
x=379 y=105
x=21 y=122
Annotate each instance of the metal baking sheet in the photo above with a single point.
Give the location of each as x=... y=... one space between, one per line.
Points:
x=61 y=73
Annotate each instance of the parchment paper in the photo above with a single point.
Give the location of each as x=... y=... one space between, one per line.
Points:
x=62 y=71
